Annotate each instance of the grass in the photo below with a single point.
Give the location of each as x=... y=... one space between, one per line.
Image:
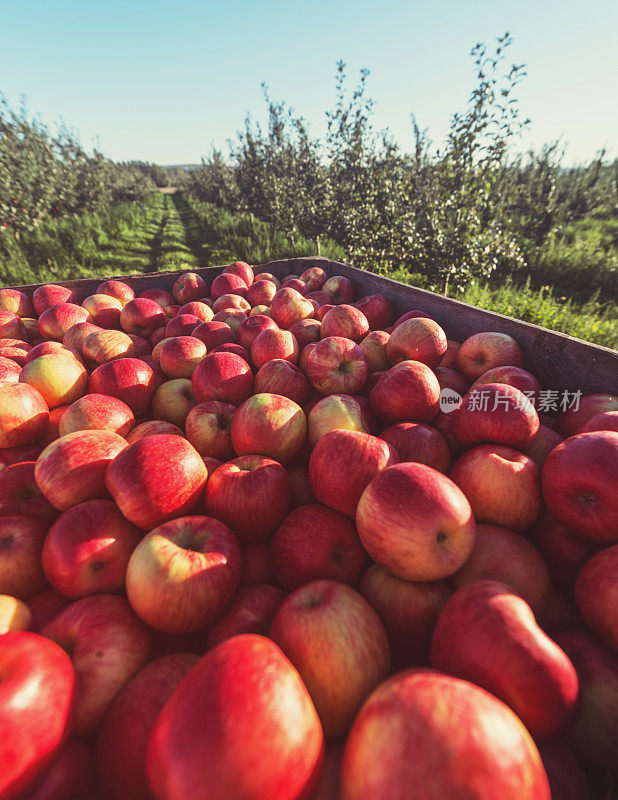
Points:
x=170 y=232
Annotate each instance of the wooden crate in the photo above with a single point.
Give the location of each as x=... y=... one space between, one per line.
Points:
x=559 y=361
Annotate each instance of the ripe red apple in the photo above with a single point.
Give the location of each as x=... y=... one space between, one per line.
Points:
x=118 y=289
x=541 y=445
x=335 y=412
x=408 y=611
x=272 y=746
x=378 y=310
x=50 y=295
x=594 y=731
x=495 y=412
x=72 y=468
x=596 y=595
x=97 y=412
x=374 y=347
x=180 y=355
x=342 y=464
x=487 y=634
x=483 y=351
x=88 y=548
x=142 y=316
x=59 y=378
x=188 y=287
x=251 y=611
x=314 y=278
x=151 y=428
x=160 y=296
x=107 y=645
x=17 y=302
x=129 y=379
x=340 y=290
x=252 y=327
x=501 y=484
x=102 y=346
x=502 y=555
x=123 y=739
x=416 y=522
x=270 y=425
x=445 y=738
x=279 y=376
x=173 y=401
x=409 y=391
x=43 y=349
x=208 y=428
x=20 y=494
x=199 y=308
x=46 y=605
x=289 y=306
x=242 y=269
x=420 y=339
x=256 y=564
x=416 y=441
x=306 y=331
x=222 y=376
x=579 y=485
x=11 y=326
x=414 y=313
x=9 y=372
x=183 y=574
x=513 y=376
x=54 y=322
x=315 y=542
x=339 y=646
x=251 y=494
x=214 y=333
x=75 y=337
x=300 y=486
x=261 y=292
x=156 y=479
x=337 y=365
x=24 y=415
x=21 y=542
x=293 y=282
x=181 y=325
x=272 y=343
x=573 y=419
x=345 y=321
x=37 y=693
x=104 y=310
x=14 y=455
x=608 y=421
x=227 y=284
x=226 y=302
x=564 y=553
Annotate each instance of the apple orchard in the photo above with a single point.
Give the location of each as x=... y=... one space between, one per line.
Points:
x=246 y=553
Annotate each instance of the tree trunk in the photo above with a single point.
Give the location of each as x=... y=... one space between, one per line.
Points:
x=317 y=244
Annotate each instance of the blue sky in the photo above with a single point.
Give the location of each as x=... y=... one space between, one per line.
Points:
x=163 y=81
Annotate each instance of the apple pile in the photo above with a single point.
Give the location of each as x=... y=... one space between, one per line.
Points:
x=246 y=553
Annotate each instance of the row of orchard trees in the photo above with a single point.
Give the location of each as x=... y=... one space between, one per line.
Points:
x=45 y=173
x=465 y=210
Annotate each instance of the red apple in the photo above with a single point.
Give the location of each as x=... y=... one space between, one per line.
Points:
x=37 y=693
x=272 y=343
x=156 y=479
x=129 y=379
x=104 y=345
x=44 y=349
x=541 y=445
x=160 y=296
x=340 y=290
x=322 y=299
x=339 y=646
x=337 y=366
x=214 y=333
x=142 y=316
x=17 y=302
x=252 y=327
x=251 y=494
x=378 y=310
x=188 y=287
x=198 y=308
x=77 y=334
x=501 y=484
x=483 y=351
x=107 y=645
x=279 y=376
x=97 y=412
x=180 y=355
x=46 y=605
x=564 y=553
x=227 y=284
x=104 y=310
x=495 y=412
x=13 y=455
x=11 y=326
x=417 y=339
x=314 y=278
x=222 y=376
x=416 y=522
x=408 y=611
x=269 y=425
x=20 y=494
x=300 y=486
x=256 y=564
x=513 y=376
x=306 y=331
x=183 y=574
x=59 y=378
x=251 y=611
x=21 y=542
x=118 y=289
x=261 y=292
x=346 y=322
x=414 y=313
x=415 y=441
x=54 y=322
x=24 y=415
x=9 y=372
x=72 y=468
x=596 y=595
x=572 y=420
x=227 y=302
x=502 y=555
x=579 y=485
x=254 y=729
x=208 y=428
x=451 y=379
x=487 y=634
x=123 y=739
x=182 y=325
x=419 y=719
x=151 y=428
x=242 y=269
x=342 y=464
x=374 y=347
x=315 y=542
x=337 y=412
x=289 y=306
x=294 y=283
x=408 y=391
x=88 y=548
x=608 y=421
